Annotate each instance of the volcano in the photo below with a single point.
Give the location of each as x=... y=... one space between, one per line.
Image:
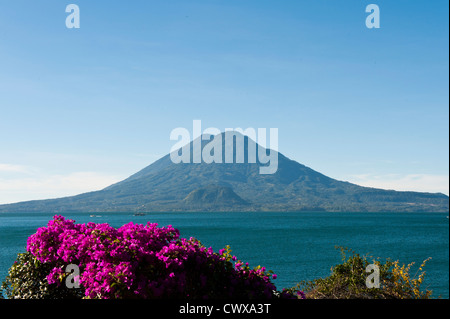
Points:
x=165 y=186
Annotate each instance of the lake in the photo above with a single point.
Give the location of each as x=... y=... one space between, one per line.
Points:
x=296 y=246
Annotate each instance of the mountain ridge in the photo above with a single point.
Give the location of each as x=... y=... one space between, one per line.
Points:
x=164 y=186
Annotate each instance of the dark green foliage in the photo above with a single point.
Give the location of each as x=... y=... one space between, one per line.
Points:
x=27 y=279
x=348 y=280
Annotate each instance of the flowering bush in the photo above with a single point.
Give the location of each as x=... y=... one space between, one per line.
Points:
x=133 y=261
x=348 y=280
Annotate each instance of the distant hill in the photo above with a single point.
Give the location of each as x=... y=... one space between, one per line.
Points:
x=214 y=196
x=166 y=186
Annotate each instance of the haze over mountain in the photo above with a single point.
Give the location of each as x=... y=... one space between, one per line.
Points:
x=166 y=186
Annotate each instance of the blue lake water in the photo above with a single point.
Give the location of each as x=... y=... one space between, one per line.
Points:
x=296 y=246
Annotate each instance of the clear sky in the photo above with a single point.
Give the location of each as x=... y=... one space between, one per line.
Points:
x=83 y=108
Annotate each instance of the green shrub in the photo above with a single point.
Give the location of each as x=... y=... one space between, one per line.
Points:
x=348 y=280
x=27 y=279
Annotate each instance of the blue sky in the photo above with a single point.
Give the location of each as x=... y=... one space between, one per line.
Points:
x=83 y=108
